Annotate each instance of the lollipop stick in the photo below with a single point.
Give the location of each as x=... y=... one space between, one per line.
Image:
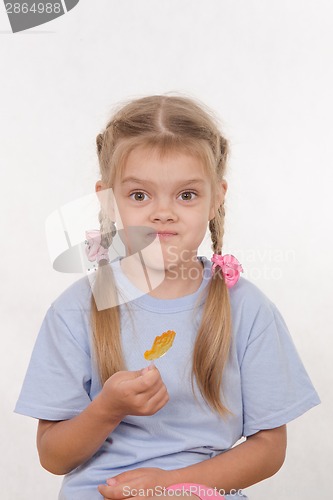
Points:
x=152 y=363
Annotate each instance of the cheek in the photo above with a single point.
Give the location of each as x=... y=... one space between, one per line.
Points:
x=197 y=230
x=123 y=213
x=127 y=217
x=202 y=214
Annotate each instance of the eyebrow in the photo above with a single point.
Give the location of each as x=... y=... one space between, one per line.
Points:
x=135 y=180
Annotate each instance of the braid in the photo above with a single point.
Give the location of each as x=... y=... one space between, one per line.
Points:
x=224 y=151
x=107 y=226
x=213 y=342
x=105 y=143
x=108 y=229
x=105 y=317
x=99 y=143
x=216 y=227
x=213 y=236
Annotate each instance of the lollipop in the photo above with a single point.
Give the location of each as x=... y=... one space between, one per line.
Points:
x=161 y=345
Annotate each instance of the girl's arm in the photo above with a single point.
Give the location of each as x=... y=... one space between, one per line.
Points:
x=254 y=460
x=64 y=445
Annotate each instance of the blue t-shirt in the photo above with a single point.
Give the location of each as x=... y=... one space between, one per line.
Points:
x=265 y=384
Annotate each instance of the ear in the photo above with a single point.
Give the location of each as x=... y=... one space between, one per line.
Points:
x=99 y=185
x=106 y=199
x=220 y=195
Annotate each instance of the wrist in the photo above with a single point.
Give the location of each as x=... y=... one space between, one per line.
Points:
x=174 y=476
x=104 y=413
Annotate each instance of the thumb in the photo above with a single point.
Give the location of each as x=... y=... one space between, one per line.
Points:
x=138 y=373
x=147 y=368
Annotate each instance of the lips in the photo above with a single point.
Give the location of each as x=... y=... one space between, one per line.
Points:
x=164 y=234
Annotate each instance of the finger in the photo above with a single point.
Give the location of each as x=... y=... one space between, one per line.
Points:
x=108 y=492
x=124 y=477
x=146 y=385
x=151 y=405
x=132 y=375
x=118 y=492
x=102 y=488
x=150 y=381
x=139 y=378
x=158 y=400
x=123 y=485
x=139 y=384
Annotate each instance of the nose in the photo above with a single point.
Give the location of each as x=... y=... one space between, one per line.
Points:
x=163 y=211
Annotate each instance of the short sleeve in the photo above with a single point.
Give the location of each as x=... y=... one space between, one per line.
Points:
x=275 y=385
x=57 y=382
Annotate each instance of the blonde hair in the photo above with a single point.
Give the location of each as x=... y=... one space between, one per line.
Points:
x=166 y=123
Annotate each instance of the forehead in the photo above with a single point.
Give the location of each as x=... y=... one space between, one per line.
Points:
x=152 y=163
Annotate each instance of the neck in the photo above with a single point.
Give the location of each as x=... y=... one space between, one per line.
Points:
x=171 y=283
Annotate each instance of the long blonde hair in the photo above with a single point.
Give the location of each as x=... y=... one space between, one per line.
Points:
x=168 y=123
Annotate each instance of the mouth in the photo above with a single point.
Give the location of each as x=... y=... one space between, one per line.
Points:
x=164 y=234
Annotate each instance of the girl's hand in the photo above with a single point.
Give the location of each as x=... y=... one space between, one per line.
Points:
x=134 y=393
x=137 y=483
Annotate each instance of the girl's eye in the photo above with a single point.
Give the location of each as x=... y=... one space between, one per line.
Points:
x=138 y=196
x=187 y=195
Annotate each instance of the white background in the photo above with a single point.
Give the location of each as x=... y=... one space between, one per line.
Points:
x=266 y=70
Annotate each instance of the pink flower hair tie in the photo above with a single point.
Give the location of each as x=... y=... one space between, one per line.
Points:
x=94 y=249
x=230 y=266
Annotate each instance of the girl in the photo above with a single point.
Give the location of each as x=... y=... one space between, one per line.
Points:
x=115 y=427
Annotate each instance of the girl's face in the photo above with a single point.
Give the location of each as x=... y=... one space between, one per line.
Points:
x=169 y=200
